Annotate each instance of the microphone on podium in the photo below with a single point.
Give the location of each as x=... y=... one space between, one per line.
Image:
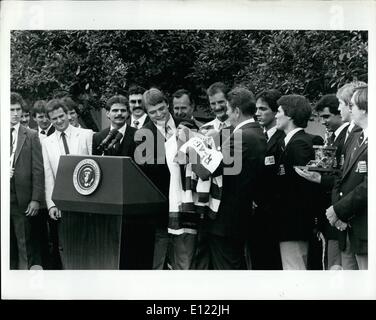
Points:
x=111 y=135
x=117 y=138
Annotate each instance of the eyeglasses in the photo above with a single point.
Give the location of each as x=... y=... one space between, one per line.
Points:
x=135 y=101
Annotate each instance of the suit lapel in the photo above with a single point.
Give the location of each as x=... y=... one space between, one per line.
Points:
x=357 y=153
x=20 y=142
x=275 y=138
x=74 y=141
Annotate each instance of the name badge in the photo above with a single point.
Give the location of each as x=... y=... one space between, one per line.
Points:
x=362 y=167
x=281 y=170
x=269 y=160
x=342 y=161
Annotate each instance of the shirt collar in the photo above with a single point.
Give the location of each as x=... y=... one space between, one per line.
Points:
x=140 y=119
x=351 y=126
x=121 y=130
x=16 y=128
x=291 y=134
x=67 y=131
x=339 y=130
x=365 y=133
x=271 y=131
x=48 y=129
x=218 y=123
x=241 y=124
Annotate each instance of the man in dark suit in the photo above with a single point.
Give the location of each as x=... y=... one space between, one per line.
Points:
x=45 y=127
x=263 y=246
x=136 y=238
x=177 y=250
x=349 y=209
x=138 y=116
x=296 y=197
x=117 y=112
x=243 y=160
x=26 y=188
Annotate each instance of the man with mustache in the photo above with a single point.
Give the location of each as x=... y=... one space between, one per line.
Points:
x=117 y=112
x=218 y=103
x=25 y=116
x=137 y=110
x=132 y=242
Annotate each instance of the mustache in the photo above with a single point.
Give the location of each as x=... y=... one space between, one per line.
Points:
x=137 y=108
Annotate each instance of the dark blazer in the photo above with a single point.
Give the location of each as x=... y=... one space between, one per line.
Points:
x=155 y=165
x=327 y=183
x=349 y=197
x=126 y=147
x=296 y=196
x=239 y=189
x=28 y=175
x=147 y=119
x=268 y=184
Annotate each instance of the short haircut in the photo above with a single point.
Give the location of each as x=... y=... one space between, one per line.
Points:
x=346 y=91
x=39 y=107
x=16 y=98
x=136 y=89
x=361 y=97
x=70 y=103
x=217 y=87
x=181 y=92
x=297 y=108
x=120 y=99
x=243 y=99
x=270 y=97
x=55 y=104
x=152 y=97
x=329 y=101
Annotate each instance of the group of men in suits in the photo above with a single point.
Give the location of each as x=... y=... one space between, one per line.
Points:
x=345 y=116
x=268 y=208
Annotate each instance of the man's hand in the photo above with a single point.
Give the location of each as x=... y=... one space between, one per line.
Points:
x=11 y=172
x=54 y=213
x=340 y=225
x=309 y=175
x=331 y=215
x=32 y=208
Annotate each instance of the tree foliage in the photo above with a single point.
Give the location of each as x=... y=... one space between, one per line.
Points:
x=93 y=65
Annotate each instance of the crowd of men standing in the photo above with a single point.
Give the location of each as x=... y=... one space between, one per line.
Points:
x=272 y=213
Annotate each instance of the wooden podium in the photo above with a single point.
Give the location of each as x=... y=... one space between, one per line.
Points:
x=103 y=198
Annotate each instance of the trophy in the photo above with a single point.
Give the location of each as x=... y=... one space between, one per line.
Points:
x=325 y=156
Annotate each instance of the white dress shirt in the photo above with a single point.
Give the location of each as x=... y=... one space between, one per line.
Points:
x=14 y=138
x=216 y=123
x=170 y=123
x=140 y=120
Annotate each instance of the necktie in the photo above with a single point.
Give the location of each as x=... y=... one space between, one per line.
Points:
x=221 y=126
x=266 y=135
x=66 y=149
x=11 y=140
x=43 y=132
x=347 y=133
x=136 y=123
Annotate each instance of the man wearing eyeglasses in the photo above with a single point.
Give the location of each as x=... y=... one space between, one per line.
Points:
x=138 y=115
